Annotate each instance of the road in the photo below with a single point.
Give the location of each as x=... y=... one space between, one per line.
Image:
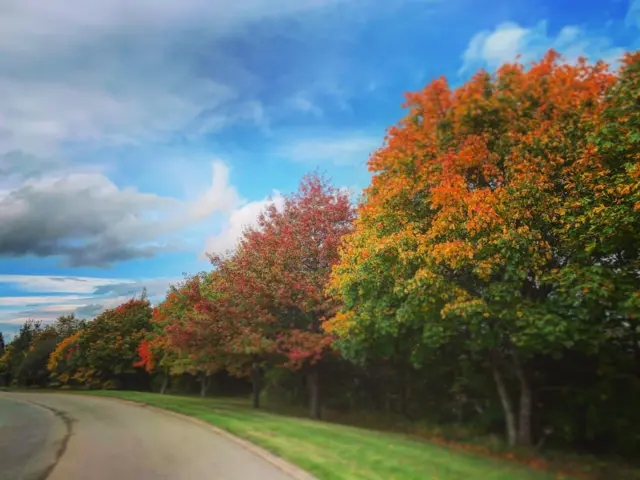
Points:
x=62 y=437
x=30 y=439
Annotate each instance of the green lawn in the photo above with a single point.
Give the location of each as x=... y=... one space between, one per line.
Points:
x=333 y=452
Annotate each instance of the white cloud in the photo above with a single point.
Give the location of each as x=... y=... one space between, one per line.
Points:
x=220 y=197
x=345 y=150
x=84 y=296
x=497 y=47
x=35 y=300
x=39 y=113
x=243 y=217
x=121 y=72
x=57 y=283
x=73 y=20
x=492 y=48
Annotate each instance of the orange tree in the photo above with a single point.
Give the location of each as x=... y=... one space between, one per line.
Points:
x=502 y=218
x=64 y=361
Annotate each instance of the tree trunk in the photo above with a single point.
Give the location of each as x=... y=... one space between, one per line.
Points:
x=507 y=405
x=314 y=393
x=165 y=383
x=403 y=391
x=524 y=415
x=204 y=384
x=255 y=380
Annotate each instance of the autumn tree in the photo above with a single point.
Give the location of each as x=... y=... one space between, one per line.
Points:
x=283 y=265
x=239 y=316
x=155 y=353
x=179 y=340
x=103 y=352
x=499 y=218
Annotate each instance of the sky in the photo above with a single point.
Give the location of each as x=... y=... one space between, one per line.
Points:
x=137 y=136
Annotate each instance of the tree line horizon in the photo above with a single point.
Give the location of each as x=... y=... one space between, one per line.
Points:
x=488 y=278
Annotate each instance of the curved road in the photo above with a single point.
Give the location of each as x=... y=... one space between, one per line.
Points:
x=62 y=437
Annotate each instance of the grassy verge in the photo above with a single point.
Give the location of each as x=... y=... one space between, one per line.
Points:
x=339 y=452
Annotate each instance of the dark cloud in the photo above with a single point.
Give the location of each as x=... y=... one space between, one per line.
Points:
x=87 y=220
x=105 y=252
x=83 y=218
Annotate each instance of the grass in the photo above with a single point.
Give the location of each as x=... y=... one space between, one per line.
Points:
x=339 y=452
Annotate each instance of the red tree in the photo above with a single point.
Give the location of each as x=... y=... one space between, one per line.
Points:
x=235 y=313
x=281 y=270
x=177 y=342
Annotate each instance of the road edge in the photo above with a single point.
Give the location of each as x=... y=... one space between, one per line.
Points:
x=60 y=439
x=290 y=469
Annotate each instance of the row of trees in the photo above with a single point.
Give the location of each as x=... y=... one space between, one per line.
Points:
x=264 y=304
x=489 y=279
x=24 y=360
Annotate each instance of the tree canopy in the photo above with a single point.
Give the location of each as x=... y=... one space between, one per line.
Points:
x=502 y=215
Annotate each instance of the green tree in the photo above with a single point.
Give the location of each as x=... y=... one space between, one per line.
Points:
x=16 y=363
x=469 y=234
x=67 y=325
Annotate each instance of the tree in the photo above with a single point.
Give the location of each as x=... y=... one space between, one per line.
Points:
x=173 y=344
x=67 y=325
x=283 y=265
x=103 y=352
x=17 y=361
x=467 y=234
x=239 y=317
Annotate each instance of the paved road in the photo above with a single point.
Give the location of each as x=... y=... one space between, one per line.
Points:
x=114 y=440
x=30 y=439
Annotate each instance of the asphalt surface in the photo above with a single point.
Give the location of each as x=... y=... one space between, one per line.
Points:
x=31 y=438
x=63 y=437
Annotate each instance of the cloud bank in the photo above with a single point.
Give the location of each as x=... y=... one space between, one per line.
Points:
x=492 y=48
x=122 y=72
x=87 y=220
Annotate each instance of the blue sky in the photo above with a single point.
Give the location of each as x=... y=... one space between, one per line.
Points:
x=135 y=136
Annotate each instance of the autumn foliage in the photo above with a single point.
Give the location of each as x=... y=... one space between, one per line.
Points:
x=503 y=216
x=489 y=273
x=103 y=352
x=286 y=261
